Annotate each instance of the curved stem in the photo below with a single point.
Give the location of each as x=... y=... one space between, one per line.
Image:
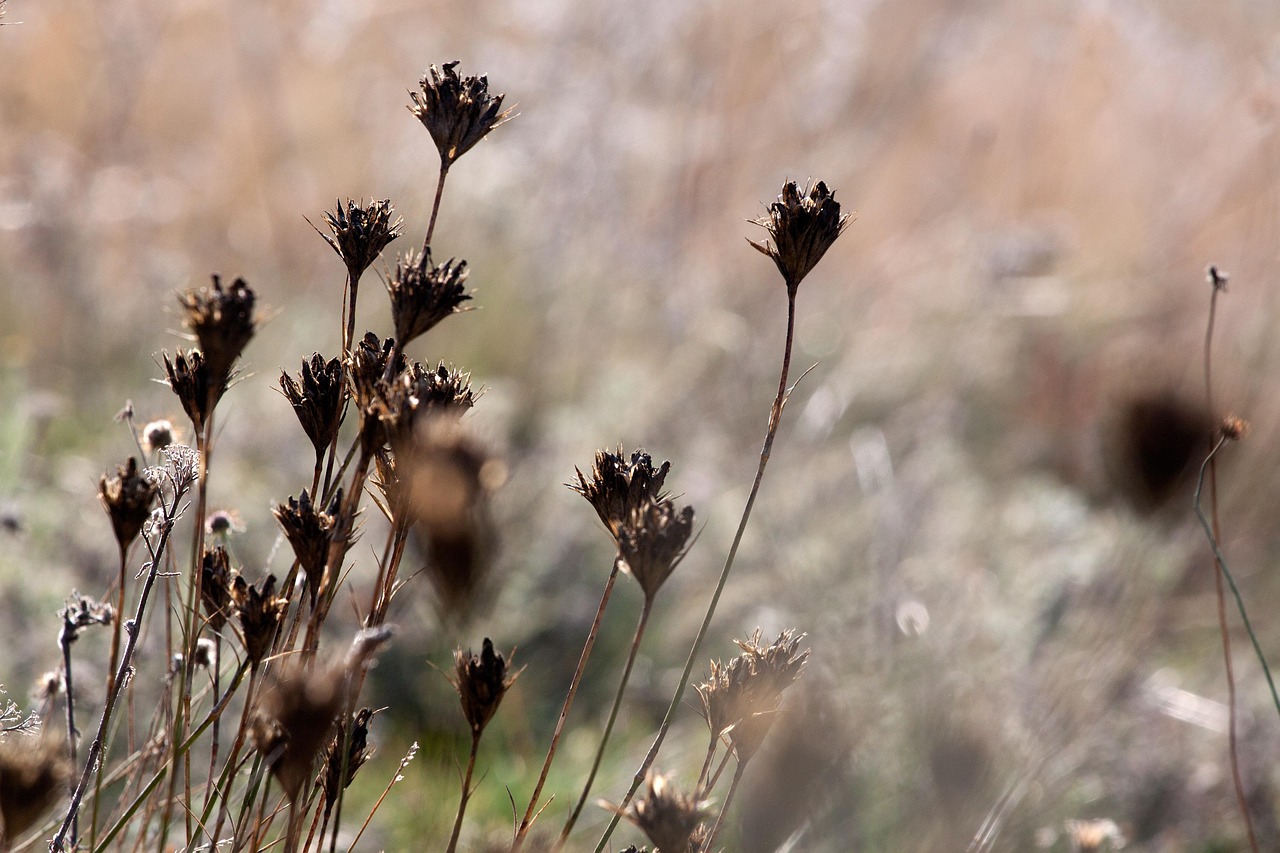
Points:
x=466 y=792
x=775 y=417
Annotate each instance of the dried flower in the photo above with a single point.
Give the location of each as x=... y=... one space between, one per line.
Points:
x=318 y=398
x=193 y=383
x=802 y=225
x=261 y=612
x=422 y=294
x=652 y=542
x=310 y=533
x=158 y=435
x=205 y=654
x=481 y=681
x=457 y=111
x=216 y=586
x=414 y=396
x=223 y=323
x=361 y=232
x=618 y=487
x=357 y=753
x=294 y=718
x=81 y=612
x=666 y=816
x=222 y=523
x=34 y=773
x=127 y=497
x=1234 y=428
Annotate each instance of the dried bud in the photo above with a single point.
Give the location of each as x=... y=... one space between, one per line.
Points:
x=216 y=585
x=457 y=111
x=652 y=542
x=666 y=816
x=422 y=295
x=360 y=233
x=127 y=497
x=223 y=323
x=481 y=681
x=261 y=613
x=357 y=752
x=192 y=381
x=310 y=532
x=34 y=773
x=802 y=225
x=318 y=398
x=618 y=487
x=294 y=718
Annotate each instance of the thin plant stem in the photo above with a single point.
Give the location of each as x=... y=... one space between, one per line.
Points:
x=724 y=809
x=775 y=417
x=608 y=728
x=435 y=205
x=527 y=821
x=466 y=792
x=71 y=716
x=349 y=333
x=399 y=774
x=111 y=670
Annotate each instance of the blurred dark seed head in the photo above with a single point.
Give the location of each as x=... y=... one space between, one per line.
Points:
x=415 y=396
x=368 y=365
x=360 y=232
x=617 y=486
x=81 y=612
x=318 y=397
x=481 y=681
x=192 y=381
x=310 y=532
x=261 y=613
x=49 y=686
x=157 y=435
x=216 y=584
x=298 y=709
x=422 y=295
x=652 y=541
x=457 y=111
x=802 y=225
x=205 y=655
x=357 y=753
x=221 y=523
x=667 y=817
x=223 y=323
x=34 y=774
x=1154 y=445
x=127 y=497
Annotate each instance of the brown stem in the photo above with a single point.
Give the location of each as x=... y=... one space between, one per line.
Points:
x=435 y=205
x=724 y=810
x=349 y=334
x=466 y=792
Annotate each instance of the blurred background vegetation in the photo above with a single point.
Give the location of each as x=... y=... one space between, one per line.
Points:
x=1011 y=612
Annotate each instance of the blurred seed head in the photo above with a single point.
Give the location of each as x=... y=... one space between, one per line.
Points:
x=34 y=774
x=157 y=435
x=127 y=497
x=415 y=396
x=318 y=397
x=481 y=681
x=357 y=753
x=1234 y=428
x=216 y=586
x=652 y=542
x=617 y=486
x=801 y=226
x=223 y=323
x=205 y=655
x=48 y=686
x=81 y=612
x=1154 y=444
x=360 y=232
x=310 y=532
x=221 y=523
x=667 y=817
x=422 y=295
x=457 y=111
x=193 y=382
x=1089 y=836
x=295 y=716
x=261 y=612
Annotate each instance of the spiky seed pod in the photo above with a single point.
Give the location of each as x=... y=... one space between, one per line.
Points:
x=223 y=323
x=618 y=487
x=127 y=497
x=481 y=681
x=216 y=587
x=652 y=542
x=261 y=613
x=294 y=718
x=360 y=232
x=423 y=294
x=310 y=533
x=414 y=396
x=666 y=816
x=457 y=111
x=368 y=366
x=318 y=397
x=81 y=612
x=802 y=225
x=192 y=381
x=357 y=754
x=34 y=773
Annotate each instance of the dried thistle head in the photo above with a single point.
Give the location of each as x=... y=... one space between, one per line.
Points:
x=223 y=323
x=652 y=542
x=34 y=774
x=481 y=681
x=423 y=294
x=298 y=709
x=81 y=612
x=457 y=111
x=310 y=532
x=158 y=434
x=802 y=225
x=216 y=586
x=261 y=612
x=318 y=397
x=667 y=817
x=360 y=232
x=194 y=384
x=618 y=486
x=356 y=753
x=127 y=497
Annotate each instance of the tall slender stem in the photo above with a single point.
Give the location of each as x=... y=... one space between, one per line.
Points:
x=775 y=417
x=349 y=333
x=466 y=792
x=435 y=205
x=724 y=809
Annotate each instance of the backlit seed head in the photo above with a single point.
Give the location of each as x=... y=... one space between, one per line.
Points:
x=1233 y=428
x=205 y=655
x=422 y=294
x=294 y=718
x=223 y=323
x=414 y=396
x=357 y=753
x=34 y=773
x=617 y=487
x=457 y=111
x=652 y=541
x=216 y=587
x=318 y=397
x=221 y=523
x=801 y=226
x=127 y=497
x=310 y=532
x=193 y=382
x=481 y=681
x=360 y=232
x=158 y=435
x=667 y=817
x=261 y=613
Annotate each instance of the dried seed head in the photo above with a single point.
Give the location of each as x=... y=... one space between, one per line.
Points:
x=361 y=232
x=802 y=225
x=223 y=323
x=481 y=681
x=49 y=686
x=1234 y=428
x=666 y=816
x=413 y=397
x=422 y=294
x=652 y=542
x=192 y=381
x=80 y=612
x=127 y=497
x=310 y=532
x=261 y=612
x=368 y=366
x=158 y=435
x=457 y=111
x=1089 y=836
x=216 y=585
x=34 y=773
x=618 y=487
x=205 y=654
x=357 y=752
x=294 y=718
x=318 y=397
x=221 y=523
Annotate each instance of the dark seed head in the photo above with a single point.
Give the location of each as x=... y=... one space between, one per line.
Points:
x=294 y=718
x=33 y=776
x=668 y=818
x=223 y=323
x=261 y=612
x=481 y=681
x=652 y=542
x=318 y=397
x=360 y=232
x=192 y=381
x=457 y=111
x=801 y=226
x=618 y=487
x=127 y=497
x=422 y=294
